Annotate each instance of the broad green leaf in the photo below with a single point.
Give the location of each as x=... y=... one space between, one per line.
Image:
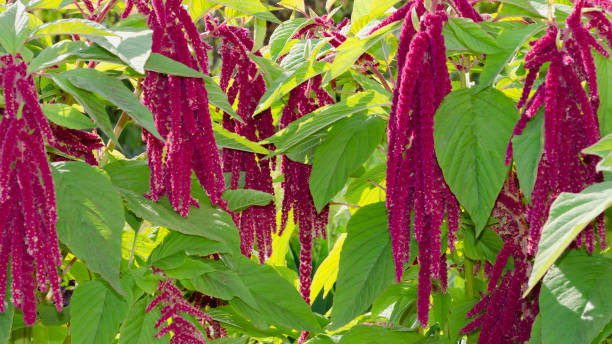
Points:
x=348 y=145
x=218 y=98
x=178 y=243
x=471 y=133
x=283 y=33
x=252 y=7
x=472 y=36
x=374 y=334
x=221 y=283
x=97 y=312
x=130 y=178
x=72 y=26
x=55 y=54
x=576 y=298
x=293 y=4
x=47 y=4
x=240 y=199
x=527 y=151
x=309 y=124
x=90 y=102
x=279 y=302
x=14 y=25
x=511 y=40
x=270 y=70
x=364 y=11
x=139 y=325
x=184 y=268
x=351 y=49
x=458 y=318
x=132 y=47
x=568 y=216
x=229 y=340
x=602 y=148
x=199 y=8
x=603 y=68
x=227 y=139
x=288 y=81
x=327 y=272
x=162 y=64
x=48 y=334
x=304 y=151
x=366 y=264
x=67 y=116
x=485 y=247
x=113 y=90
x=89 y=217
x=49 y=315
x=260 y=30
x=6 y=320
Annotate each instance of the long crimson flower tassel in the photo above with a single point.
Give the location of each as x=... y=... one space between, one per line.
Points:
x=27 y=199
x=503 y=315
x=180 y=109
x=256 y=223
x=570 y=115
x=415 y=184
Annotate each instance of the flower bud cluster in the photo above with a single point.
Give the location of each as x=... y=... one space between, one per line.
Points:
x=27 y=199
x=181 y=113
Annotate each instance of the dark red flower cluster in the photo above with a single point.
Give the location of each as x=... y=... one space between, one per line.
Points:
x=173 y=302
x=570 y=115
x=248 y=86
x=27 y=199
x=415 y=184
x=295 y=186
x=180 y=109
x=77 y=143
x=507 y=317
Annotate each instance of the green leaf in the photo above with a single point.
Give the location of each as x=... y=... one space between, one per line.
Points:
x=527 y=151
x=139 y=326
x=311 y=123
x=602 y=148
x=97 y=312
x=113 y=90
x=485 y=247
x=270 y=70
x=218 y=98
x=576 y=298
x=252 y=7
x=511 y=40
x=132 y=47
x=568 y=216
x=472 y=36
x=279 y=302
x=283 y=33
x=55 y=54
x=49 y=315
x=162 y=64
x=91 y=103
x=14 y=25
x=348 y=145
x=178 y=243
x=289 y=80
x=471 y=133
x=6 y=321
x=67 y=116
x=327 y=273
x=89 y=217
x=351 y=49
x=72 y=26
x=131 y=178
x=366 y=264
x=229 y=340
x=374 y=334
x=260 y=30
x=240 y=199
x=227 y=139
x=603 y=68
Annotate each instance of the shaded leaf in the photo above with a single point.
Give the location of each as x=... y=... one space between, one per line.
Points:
x=139 y=326
x=240 y=199
x=527 y=151
x=66 y=116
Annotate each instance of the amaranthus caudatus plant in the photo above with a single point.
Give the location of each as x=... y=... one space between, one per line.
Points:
x=180 y=109
x=570 y=114
x=27 y=199
x=247 y=87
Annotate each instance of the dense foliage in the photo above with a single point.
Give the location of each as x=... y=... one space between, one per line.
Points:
x=193 y=171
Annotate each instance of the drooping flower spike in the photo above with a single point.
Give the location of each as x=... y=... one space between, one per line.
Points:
x=415 y=184
x=502 y=314
x=77 y=143
x=173 y=304
x=248 y=86
x=180 y=109
x=27 y=198
x=570 y=115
